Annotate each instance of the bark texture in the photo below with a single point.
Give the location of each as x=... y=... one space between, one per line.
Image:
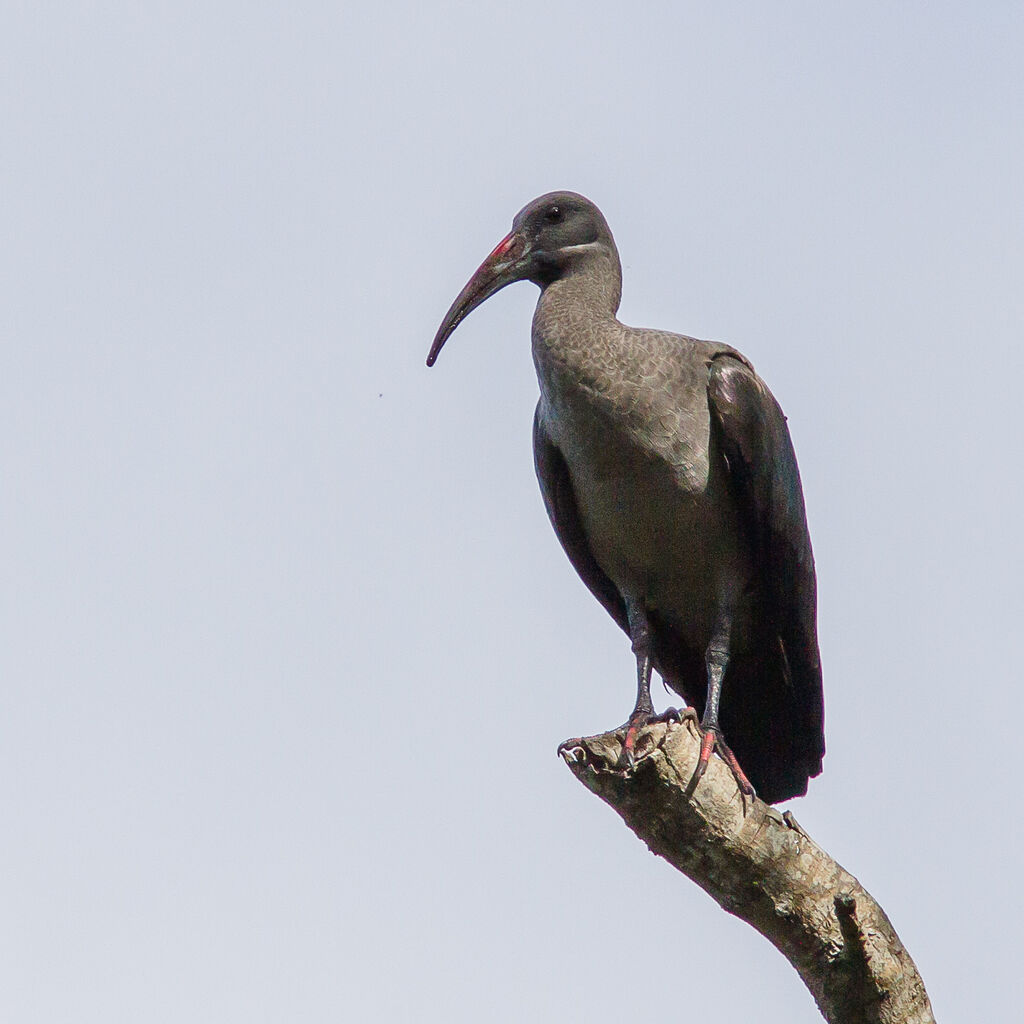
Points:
x=758 y=864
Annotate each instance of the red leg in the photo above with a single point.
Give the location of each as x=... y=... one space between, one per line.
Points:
x=712 y=741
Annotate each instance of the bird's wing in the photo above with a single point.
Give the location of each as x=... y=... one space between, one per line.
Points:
x=560 y=502
x=751 y=432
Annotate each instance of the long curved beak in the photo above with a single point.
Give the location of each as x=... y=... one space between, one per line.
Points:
x=504 y=266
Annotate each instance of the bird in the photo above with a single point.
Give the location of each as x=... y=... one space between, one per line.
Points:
x=669 y=475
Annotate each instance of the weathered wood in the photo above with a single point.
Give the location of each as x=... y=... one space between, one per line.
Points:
x=758 y=864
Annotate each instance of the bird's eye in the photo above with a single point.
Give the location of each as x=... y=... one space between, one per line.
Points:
x=553 y=214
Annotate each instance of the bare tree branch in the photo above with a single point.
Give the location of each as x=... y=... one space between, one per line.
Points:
x=761 y=866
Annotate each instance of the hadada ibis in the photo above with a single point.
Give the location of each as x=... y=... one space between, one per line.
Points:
x=670 y=478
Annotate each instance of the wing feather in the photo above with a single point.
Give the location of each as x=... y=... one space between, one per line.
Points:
x=560 y=502
x=753 y=436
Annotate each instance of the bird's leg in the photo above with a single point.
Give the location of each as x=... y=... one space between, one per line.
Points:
x=717 y=658
x=643 y=711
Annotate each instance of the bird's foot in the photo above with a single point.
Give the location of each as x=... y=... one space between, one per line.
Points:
x=575 y=750
x=712 y=740
x=640 y=720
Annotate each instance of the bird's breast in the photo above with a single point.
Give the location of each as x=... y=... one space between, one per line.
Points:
x=634 y=428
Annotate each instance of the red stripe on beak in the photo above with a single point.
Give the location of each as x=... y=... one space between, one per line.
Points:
x=502 y=247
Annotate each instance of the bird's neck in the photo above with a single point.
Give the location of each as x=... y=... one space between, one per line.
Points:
x=583 y=295
x=592 y=277
x=574 y=326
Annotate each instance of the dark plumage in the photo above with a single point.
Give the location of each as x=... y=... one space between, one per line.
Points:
x=669 y=476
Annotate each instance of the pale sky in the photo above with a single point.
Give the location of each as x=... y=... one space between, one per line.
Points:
x=287 y=641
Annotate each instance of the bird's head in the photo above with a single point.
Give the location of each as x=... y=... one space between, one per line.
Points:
x=549 y=237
